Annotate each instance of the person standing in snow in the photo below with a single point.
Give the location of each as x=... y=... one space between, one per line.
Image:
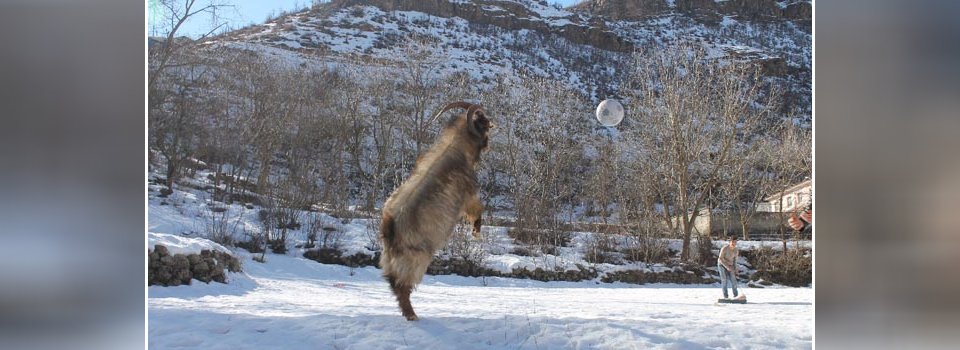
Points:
x=727 y=265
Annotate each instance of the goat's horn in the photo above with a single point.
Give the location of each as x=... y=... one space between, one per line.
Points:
x=473 y=109
x=459 y=104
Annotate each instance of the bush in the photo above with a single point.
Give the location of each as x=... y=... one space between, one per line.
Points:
x=253 y=245
x=795 y=268
x=278 y=246
x=540 y=237
x=524 y=251
x=321 y=231
x=465 y=247
x=357 y=11
x=216 y=221
x=647 y=245
x=372 y=233
x=596 y=256
x=324 y=255
x=650 y=253
x=278 y=218
x=249 y=199
x=549 y=249
x=523 y=236
x=602 y=250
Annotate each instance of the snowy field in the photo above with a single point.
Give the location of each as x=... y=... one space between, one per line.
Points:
x=295 y=303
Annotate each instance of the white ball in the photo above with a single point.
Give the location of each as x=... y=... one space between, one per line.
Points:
x=609 y=113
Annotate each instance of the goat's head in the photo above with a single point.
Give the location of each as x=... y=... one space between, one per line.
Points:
x=474 y=122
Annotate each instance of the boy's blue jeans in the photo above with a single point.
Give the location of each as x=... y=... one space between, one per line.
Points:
x=727 y=277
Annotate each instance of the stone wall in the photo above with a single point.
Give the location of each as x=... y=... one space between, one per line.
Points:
x=336 y=257
x=678 y=276
x=179 y=269
x=762 y=226
x=440 y=266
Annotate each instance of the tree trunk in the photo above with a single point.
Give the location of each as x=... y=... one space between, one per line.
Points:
x=685 y=252
x=263 y=179
x=783 y=233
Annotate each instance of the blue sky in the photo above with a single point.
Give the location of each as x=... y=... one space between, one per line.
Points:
x=246 y=12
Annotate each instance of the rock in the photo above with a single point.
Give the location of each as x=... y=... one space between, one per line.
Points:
x=799 y=11
x=709 y=11
x=218 y=276
x=167 y=260
x=161 y=250
x=623 y=10
x=201 y=268
x=181 y=261
x=180 y=269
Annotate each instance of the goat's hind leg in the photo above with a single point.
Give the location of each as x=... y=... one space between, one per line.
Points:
x=402 y=292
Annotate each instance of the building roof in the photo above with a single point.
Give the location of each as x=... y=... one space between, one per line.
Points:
x=791 y=189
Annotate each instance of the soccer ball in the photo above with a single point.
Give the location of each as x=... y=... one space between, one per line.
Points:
x=609 y=113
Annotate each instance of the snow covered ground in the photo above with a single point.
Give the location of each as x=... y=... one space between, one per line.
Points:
x=291 y=302
x=295 y=303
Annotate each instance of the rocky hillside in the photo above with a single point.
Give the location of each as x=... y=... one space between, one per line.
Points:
x=707 y=11
x=512 y=16
x=585 y=46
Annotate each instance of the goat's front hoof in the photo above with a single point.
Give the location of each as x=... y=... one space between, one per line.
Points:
x=412 y=317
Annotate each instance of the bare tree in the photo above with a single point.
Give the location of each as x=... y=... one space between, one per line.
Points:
x=292 y=194
x=334 y=152
x=177 y=72
x=420 y=79
x=695 y=111
x=603 y=180
x=792 y=162
x=173 y=14
x=385 y=154
x=749 y=178
x=265 y=107
x=173 y=124
x=354 y=108
x=538 y=153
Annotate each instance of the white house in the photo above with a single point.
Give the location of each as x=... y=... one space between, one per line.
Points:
x=794 y=197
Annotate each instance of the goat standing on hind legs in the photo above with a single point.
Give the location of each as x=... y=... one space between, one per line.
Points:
x=420 y=216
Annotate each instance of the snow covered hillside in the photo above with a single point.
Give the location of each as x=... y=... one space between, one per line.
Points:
x=587 y=46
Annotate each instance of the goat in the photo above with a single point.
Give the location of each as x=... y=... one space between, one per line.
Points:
x=420 y=216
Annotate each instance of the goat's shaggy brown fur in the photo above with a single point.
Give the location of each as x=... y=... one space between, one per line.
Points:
x=420 y=216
